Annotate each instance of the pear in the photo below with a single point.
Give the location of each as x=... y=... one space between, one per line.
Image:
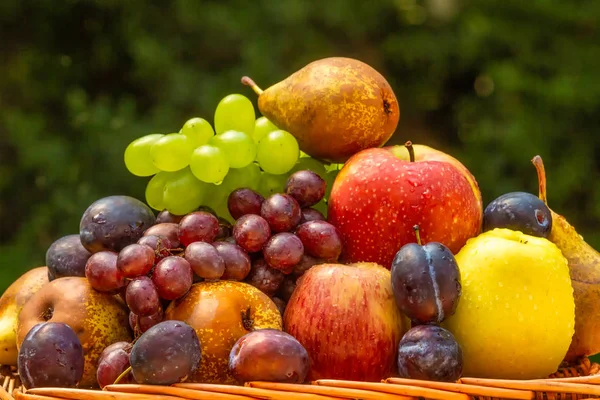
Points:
x=335 y=107
x=11 y=303
x=584 y=269
x=99 y=319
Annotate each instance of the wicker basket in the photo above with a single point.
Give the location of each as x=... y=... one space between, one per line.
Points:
x=573 y=383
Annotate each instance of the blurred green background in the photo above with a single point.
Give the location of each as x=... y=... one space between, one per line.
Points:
x=492 y=83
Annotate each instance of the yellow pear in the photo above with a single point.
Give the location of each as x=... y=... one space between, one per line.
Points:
x=98 y=319
x=584 y=267
x=335 y=107
x=11 y=303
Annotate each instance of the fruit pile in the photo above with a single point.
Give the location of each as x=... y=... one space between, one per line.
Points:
x=264 y=263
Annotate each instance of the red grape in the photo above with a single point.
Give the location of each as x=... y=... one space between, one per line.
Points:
x=160 y=244
x=102 y=273
x=199 y=226
x=135 y=260
x=205 y=260
x=320 y=239
x=281 y=211
x=283 y=251
x=237 y=261
x=244 y=201
x=265 y=278
x=142 y=297
x=166 y=229
x=166 y=216
x=251 y=232
x=287 y=288
x=113 y=361
x=311 y=214
x=306 y=186
x=140 y=325
x=173 y=277
x=305 y=264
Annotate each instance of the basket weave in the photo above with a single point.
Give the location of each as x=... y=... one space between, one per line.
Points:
x=568 y=383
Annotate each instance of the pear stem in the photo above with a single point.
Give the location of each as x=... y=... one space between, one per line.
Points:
x=246 y=80
x=541 y=173
x=411 y=151
x=416 y=229
x=128 y=370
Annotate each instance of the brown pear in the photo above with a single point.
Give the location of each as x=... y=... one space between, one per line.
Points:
x=12 y=301
x=584 y=267
x=98 y=319
x=335 y=107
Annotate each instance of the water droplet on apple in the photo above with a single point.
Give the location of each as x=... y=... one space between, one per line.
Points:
x=426 y=194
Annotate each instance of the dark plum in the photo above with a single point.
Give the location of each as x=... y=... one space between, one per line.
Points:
x=430 y=352
x=281 y=211
x=170 y=230
x=320 y=239
x=199 y=226
x=283 y=251
x=51 y=355
x=205 y=260
x=251 y=232
x=244 y=201
x=167 y=353
x=113 y=361
x=268 y=355
x=172 y=277
x=135 y=260
x=67 y=257
x=306 y=186
x=518 y=211
x=237 y=261
x=426 y=281
x=265 y=278
x=166 y=216
x=311 y=214
x=142 y=296
x=102 y=273
x=114 y=222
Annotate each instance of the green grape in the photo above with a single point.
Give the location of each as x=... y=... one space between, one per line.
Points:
x=209 y=164
x=198 y=131
x=303 y=154
x=277 y=152
x=249 y=177
x=262 y=126
x=271 y=184
x=184 y=193
x=310 y=163
x=155 y=189
x=239 y=148
x=171 y=152
x=137 y=155
x=235 y=112
x=217 y=201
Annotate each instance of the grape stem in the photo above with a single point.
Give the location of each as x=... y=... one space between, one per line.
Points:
x=541 y=173
x=417 y=234
x=411 y=151
x=246 y=80
x=128 y=370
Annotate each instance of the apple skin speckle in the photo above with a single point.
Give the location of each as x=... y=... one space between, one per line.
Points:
x=377 y=198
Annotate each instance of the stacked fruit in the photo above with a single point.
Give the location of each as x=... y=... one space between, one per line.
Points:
x=201 y=164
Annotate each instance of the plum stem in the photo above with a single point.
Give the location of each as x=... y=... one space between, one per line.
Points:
x=246 y=80
x=411 y=150
x=541 y=173
x=417 y=234
x=128 y=370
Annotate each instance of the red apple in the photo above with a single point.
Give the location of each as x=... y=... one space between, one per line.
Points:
x=381 y=194
x=346 y=318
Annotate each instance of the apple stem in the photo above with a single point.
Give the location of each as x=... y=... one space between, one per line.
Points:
x=541 y=173
x=246 y=80
x=417 y=234
x=411 y=151
x=128 y=370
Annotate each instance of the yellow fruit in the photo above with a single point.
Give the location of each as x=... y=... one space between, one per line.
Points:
x=516 y=316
